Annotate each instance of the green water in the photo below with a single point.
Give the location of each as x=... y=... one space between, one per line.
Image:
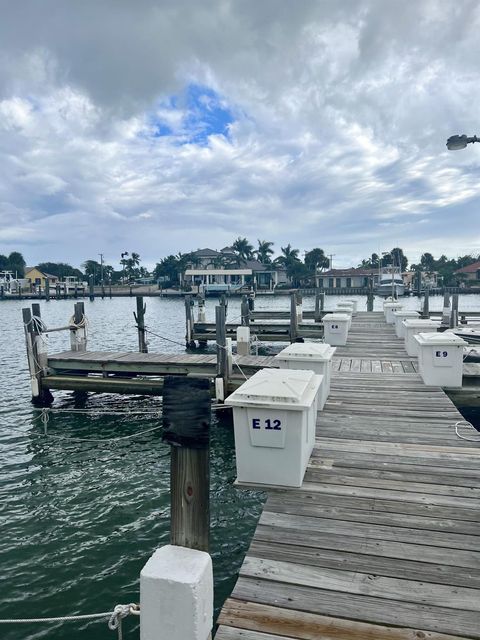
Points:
x=79 y=520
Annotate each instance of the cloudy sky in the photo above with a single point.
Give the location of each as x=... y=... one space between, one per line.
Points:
x=158 y=127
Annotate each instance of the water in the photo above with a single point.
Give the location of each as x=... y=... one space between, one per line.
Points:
x=79 y=520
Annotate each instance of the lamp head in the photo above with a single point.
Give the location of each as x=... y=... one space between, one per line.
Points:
x=454 y=143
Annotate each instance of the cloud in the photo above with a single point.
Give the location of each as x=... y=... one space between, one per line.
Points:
x=159 y=127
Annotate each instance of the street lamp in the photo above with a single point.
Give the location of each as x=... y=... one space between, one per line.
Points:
x=454 y=143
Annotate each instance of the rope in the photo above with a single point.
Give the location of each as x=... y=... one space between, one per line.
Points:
x=44 y=416
x=115 y=617
x=468 y=424
x=148 y=330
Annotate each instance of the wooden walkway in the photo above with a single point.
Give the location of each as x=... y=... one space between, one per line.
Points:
x=382 y=541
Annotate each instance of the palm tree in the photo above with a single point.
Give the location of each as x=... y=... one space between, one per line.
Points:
x=316 y=259
x=243 y=248
x=264 y=251
x=289 y=256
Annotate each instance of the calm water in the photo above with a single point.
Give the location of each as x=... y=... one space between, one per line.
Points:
x=79 y=520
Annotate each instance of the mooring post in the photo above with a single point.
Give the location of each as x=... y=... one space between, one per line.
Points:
x=186 y=422
x=251 y=301
x=36 y=355
x=103 y=291
x=91 y=290
x=426 y=311
x=140 y=320
x=221 y=345
x=319 y=306
x=189 y=341
x=299 y=303
x=224 y=303
x=78 y=328
x=446 y=310
x=110 y=289
x=47 y=289
x=75 y=291
x=293 y=318
x=245 y=312
x=454 y=313
x=2 y=292
x=176 y=584
x=419 y=283
x=201 y=309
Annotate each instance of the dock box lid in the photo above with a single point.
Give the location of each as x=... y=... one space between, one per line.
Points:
x=392 y=305
x=307 y=351
x=336 y=316
x=420 y=322
x=444 y=339
x=277 y=388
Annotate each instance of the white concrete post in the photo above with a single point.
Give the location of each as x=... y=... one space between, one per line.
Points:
x=176 y=595
x=243 y=341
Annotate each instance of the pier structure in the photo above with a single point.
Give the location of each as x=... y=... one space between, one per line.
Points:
x=381 y=541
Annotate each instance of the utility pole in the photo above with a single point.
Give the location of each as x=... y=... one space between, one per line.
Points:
x=101 y=268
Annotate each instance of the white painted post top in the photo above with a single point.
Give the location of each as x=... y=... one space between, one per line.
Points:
x=176 y=595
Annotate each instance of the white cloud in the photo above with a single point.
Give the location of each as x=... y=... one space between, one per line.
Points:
x=338 y=115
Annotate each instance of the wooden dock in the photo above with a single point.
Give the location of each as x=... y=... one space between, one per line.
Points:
x=382 y=541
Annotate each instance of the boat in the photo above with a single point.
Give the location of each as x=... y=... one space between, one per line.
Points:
x=11 y=285
x=469 y=334
x=390 y=282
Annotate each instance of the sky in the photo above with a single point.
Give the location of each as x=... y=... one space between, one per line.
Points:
x=163 y=127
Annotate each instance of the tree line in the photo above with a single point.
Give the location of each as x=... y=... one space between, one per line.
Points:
x=170 y=268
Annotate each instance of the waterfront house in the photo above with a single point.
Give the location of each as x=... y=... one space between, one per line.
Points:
x=37 y=278
x=346 y=278
x=470 y=274
x=224 y=270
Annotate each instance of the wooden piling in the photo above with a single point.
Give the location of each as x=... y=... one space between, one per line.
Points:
x=245 y=312
x=78 y=332
x=36 y=355
x=47 y=289
x=140 y=320
x=454 y=311
x=186 y=420
x=446 y=309
x=293 y=331
x=189 y=341
x=221 y=345
x=299 y=305
x=57 y=291
x=91 y=289
x=425 y=310
x=2 y=292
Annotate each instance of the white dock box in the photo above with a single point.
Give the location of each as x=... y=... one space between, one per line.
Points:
x=355 y=305
x=345 y=311
x=399 y=317
x=335 y=328
x=316 y=357
x=412 y=326
x=348 y=306
x=440 y=359
x=389 y=308
x=274 y=416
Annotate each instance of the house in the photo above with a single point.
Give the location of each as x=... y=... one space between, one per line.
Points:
x=346 y=278
x=224 y=270
x=37 y=278
x=429 y=279
x=470 y=273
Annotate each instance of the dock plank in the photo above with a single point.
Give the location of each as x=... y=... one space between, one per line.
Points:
x=382 y=540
